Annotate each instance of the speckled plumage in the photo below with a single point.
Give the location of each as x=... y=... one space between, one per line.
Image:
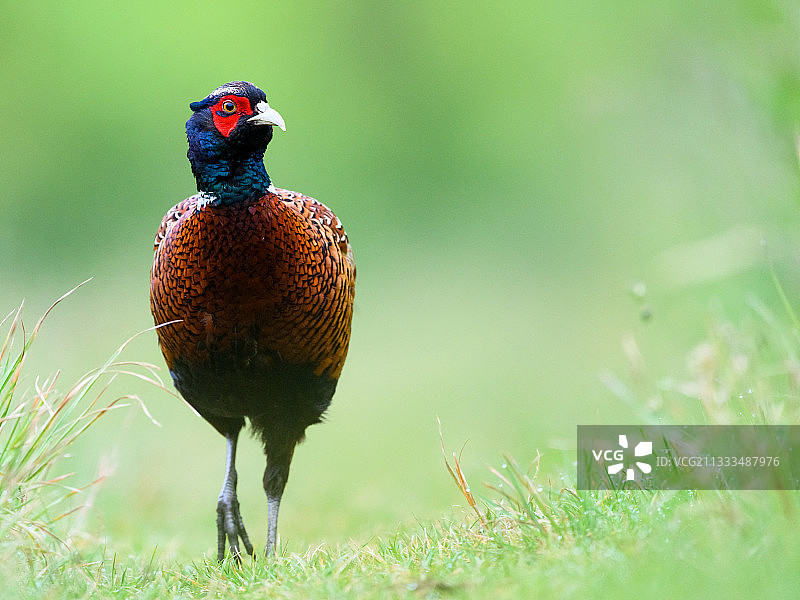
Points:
x=257 y=288
x=256 y=285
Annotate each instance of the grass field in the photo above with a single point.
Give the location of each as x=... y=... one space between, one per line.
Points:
x=526 y=533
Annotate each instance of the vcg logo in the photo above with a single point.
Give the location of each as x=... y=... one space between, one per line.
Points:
x=617 y=458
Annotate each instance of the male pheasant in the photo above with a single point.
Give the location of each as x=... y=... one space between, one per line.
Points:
x=252 y=287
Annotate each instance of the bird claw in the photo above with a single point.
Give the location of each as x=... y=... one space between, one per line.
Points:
x=230 y=528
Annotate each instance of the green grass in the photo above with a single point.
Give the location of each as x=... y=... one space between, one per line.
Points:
x=523 y=534
x=37 y=429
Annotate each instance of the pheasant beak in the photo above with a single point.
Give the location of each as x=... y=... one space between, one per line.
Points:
x=265 y=115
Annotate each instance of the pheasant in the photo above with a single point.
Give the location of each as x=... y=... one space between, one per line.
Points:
x=252 y=291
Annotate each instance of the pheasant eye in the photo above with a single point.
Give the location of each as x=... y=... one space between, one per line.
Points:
x=229 y=107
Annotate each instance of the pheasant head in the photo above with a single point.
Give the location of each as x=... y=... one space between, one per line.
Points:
x=228 y=133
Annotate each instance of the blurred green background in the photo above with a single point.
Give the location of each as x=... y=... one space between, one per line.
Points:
x=507 y=173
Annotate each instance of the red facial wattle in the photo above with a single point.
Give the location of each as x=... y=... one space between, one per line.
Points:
x=225 y=120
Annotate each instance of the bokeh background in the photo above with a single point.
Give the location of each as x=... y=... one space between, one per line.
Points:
x=526 y=185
